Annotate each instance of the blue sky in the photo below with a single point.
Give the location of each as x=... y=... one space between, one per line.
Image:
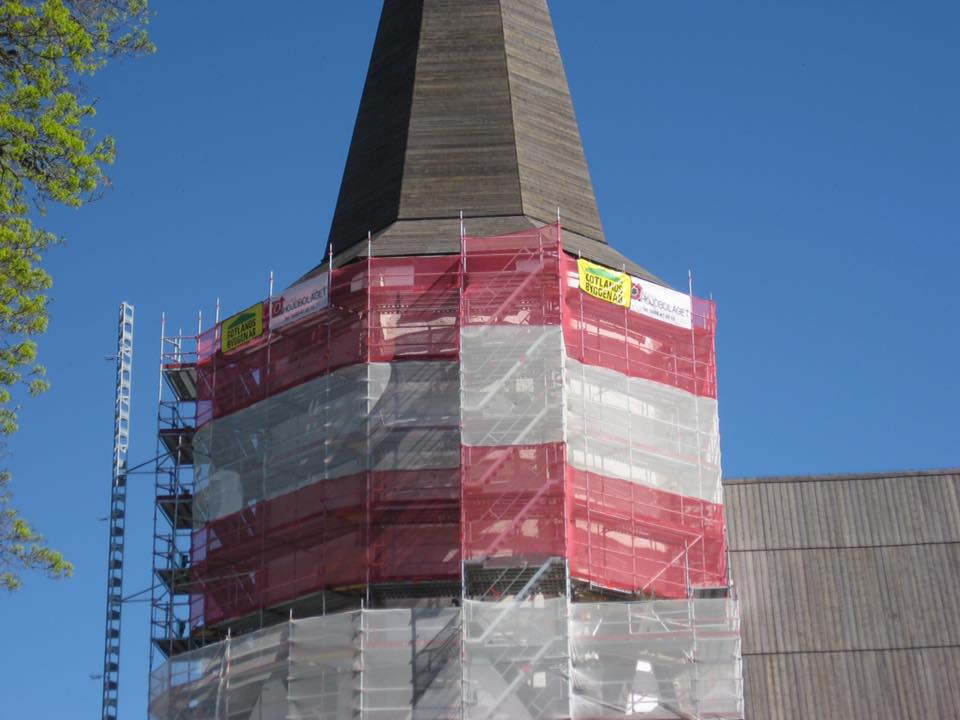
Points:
x=802 y=159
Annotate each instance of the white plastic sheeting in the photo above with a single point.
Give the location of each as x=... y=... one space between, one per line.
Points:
x=614 y=425
x=411 y=664
x=243 y=677
x=376 y=664
x=516 y=660
x=323 y=659
x=642 y=431
x=543 y=658
x=377 y=416
x=659 y=660
x=512 y=384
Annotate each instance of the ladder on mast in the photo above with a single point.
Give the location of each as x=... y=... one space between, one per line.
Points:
x=117 y=517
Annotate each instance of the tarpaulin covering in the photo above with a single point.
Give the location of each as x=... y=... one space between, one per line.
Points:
x=516 y=659
x=511 y=385
x=541 y=658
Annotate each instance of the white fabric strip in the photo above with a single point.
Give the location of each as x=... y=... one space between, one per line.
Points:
x=512 y=379
x=641 y=431
x=319 y=430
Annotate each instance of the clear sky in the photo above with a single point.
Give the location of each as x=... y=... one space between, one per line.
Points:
x=802 y=158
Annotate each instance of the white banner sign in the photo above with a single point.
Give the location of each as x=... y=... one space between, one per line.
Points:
x=661 y=303
x=299 y=301
x=652 y=300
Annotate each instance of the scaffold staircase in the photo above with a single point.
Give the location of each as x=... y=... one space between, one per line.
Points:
x=173 y=509
x=430 y=660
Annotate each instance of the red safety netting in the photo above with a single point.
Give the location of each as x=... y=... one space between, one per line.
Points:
x=524 y=502
x=397 y=526
x=508 y=309
x=513 y=502
x=414 y=304
x=330 y=338
x=513 y=495
x=328 y=536
x=280 y=549
x=410 y=312
x=512 y=280
x=640 y=540
x=617 y=338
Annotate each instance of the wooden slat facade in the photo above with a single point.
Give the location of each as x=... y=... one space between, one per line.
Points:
x=849 y=592
x=552 y=166
x=460 y=152
x=370 y=189
x=466 y=108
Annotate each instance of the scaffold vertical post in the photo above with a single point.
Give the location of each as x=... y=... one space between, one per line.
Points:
x=170 y=593
x=369 y=426
x=118 y=511
x=155 y=591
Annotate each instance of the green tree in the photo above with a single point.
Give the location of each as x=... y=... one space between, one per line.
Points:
x=49 y=153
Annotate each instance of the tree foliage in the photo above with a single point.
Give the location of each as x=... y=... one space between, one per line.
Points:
x=21 y=548
x=49 y=153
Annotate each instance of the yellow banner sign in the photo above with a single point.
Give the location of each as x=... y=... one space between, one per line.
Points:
x=609 y=285
x=240 y=329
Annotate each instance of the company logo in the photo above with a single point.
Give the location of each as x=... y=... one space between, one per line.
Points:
x=661 y=303
x=605 y=284
x=240 y=329
x=299 y=301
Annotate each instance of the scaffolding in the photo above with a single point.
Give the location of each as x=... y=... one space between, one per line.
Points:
x=478 y=427
x=171 y=588
x=508 y=660
x=339 y=453
x=589 y=428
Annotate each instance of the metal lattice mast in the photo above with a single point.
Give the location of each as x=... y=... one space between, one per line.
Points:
x=118 y=511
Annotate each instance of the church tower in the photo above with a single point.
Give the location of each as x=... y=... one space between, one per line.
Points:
x=469 y=465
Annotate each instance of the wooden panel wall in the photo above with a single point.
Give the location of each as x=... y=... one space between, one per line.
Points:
x=850 y=594
x=461 y=147
x=465 y=108
x=553 y=167
x=370 y=190
x=917 y=684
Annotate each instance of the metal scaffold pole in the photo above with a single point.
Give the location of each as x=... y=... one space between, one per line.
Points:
x=118 y=511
